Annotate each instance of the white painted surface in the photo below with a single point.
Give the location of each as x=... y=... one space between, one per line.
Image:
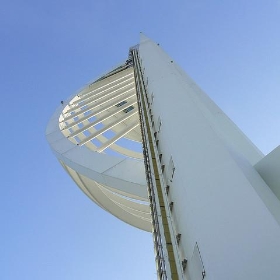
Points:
x=117 y=184
x=269 y=169
x=220 y=201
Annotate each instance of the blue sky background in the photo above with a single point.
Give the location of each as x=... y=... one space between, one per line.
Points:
x=49 y=49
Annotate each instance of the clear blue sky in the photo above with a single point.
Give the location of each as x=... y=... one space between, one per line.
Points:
x=49 y=49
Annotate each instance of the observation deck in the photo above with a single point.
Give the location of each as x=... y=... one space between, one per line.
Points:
x=96 y=137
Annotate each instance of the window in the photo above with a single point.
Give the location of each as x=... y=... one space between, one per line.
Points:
x=152 y=98
x=128 y=109
x=178 y=238
x=167 y=189
x=121 y=103
x=195 y=268
x=159 y=123
x=171 y=169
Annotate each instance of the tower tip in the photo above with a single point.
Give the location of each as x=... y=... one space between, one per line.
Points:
x=144 y=38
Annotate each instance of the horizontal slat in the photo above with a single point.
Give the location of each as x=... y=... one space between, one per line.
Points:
x=109 y=126
x=100 y=110
x=90 y=94
x=105 y=117
x=94 y=98
x=117 y=137
x=97 y=104
x=106 y=85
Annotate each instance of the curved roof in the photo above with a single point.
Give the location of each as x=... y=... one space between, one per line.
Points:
x=96 y=137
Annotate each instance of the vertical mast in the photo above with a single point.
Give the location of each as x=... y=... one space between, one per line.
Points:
x=167 y=268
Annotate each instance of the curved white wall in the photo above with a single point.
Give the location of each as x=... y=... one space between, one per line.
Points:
x=220 y=201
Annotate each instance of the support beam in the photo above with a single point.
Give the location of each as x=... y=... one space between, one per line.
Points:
x=107 y=127
x=121 y=134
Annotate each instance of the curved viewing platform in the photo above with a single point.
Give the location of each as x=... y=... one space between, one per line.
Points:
x=95 y=134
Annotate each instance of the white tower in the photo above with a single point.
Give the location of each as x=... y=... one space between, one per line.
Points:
x=213 y=199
